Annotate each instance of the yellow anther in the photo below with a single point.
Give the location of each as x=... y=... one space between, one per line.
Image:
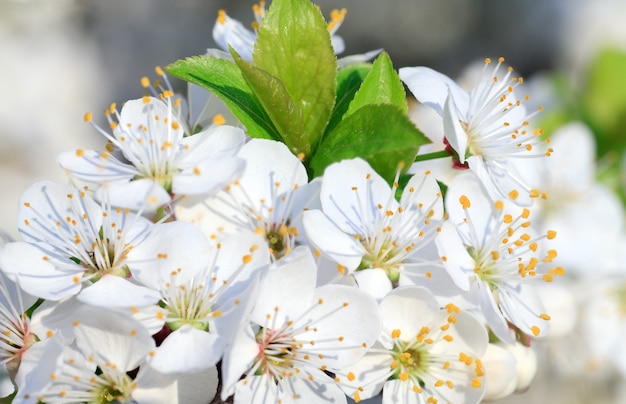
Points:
x=464 y=200
x=219 y=119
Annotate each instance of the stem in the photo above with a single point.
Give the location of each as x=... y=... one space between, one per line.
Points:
x=432 y=156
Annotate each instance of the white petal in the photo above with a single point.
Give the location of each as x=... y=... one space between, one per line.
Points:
x=398 y=392
x=238 y=359
x=111 y=337
x=408 y=309
x=351 y=195
x=289 y=286
x=36 y=275
x=154 y=387
x=370 y=374
x=331 y=241
x=347 y=322
x=321 y=390
x=456 y=259
x=208 y=176
x=426 y=192
x=37 y=363
x=456 y=135
x=230 y=32
x=45 y=207
x=213 y=144
x=112 y=291
x=358 y=58
x=169 y=246
x=500 y=373
x=265 y=179
x=94 y=166
x=494 y=317
x=373 y=281
x=256 y=389
x=521 y=305
x=188 y=350
x=143 y=194
x=481 y=207
x=432 y=88
x=244 y=249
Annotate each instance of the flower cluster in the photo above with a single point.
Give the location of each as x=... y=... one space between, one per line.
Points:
x=271 y=259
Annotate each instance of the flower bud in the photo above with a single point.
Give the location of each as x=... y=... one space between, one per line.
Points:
x=526 y=364
x=500 y=373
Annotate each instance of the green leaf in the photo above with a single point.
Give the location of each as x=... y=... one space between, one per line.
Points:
x=294 y=46
x=284 y=113
x=381 y=134
x=224 y=79
x=349 y=80
x=604 y=102
x=381 y=86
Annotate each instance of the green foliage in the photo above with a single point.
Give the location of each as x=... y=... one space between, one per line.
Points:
x=604 y=101
x=294 y=46
x=381 y=86
x=292 y=92
x=349 y=81
x=381 y=134
x=225 y=80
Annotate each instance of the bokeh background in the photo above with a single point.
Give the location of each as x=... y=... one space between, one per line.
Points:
x=62 y=58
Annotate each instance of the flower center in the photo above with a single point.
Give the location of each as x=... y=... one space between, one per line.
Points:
x=277 y=350
x=104 y=259
x=384 y=256
x=280 y=239
x=14 y=341
x=486 y=267
x=188 y=304
x=112 y=391
x=410 y=361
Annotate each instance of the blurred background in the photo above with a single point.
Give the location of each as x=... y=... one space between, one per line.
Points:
x=62 y=58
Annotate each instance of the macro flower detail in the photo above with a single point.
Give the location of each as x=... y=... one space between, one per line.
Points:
x=492 y=254
x=268 y=199
x=367 y=232
x=487 y=129
x=425 y=354
x=94 y=370
x=297 y=335
x=148 y=161
x=204 y=304
x=71 y=241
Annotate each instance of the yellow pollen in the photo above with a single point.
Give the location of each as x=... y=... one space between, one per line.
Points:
x=351 y=376
x=544 y=317
x=551 y=234
x=535 y=330
x=395 y=333
x=145 y=82
x=219 y=119
x=464 y=200
x=514 y=194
